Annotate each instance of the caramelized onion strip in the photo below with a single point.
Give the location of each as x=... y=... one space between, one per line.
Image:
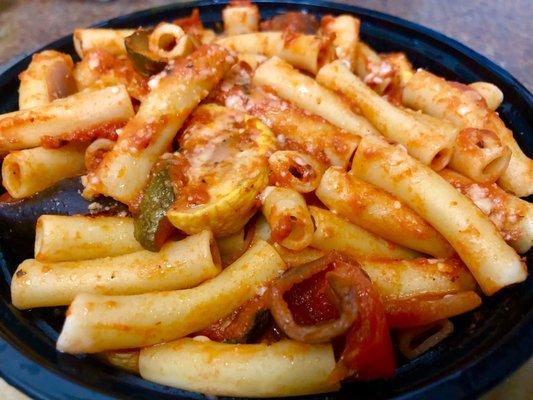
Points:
x=416 y=341
x=341 y=292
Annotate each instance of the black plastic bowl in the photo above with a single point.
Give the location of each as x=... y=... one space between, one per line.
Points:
x=487 y=344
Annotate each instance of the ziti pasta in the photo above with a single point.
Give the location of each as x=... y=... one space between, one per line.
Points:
x=286 y=191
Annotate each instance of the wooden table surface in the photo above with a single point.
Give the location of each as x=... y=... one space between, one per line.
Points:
x=500 y=30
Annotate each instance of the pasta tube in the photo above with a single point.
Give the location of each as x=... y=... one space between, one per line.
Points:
x=429 y=146
x=344 y=33
x=169 y=41
x=96 y=322
x=371 y=68
x=511 y=215
x=25 y=172
x=124 y=170
x=95 y=152
x=334 y=233
x=380 y=213
x=109 y=39
x=288 y=217
x=100 y=68
x=285 y=368
x=82 y=114
x=480 y=155
x=47 y=78
x=398 y=279
x=493 y=263
x=492 y=94
x=466 y=108
x=77 y=237
x=178 y=265
x=402 y=72
x=295 y=170
x=301 y=51
x=306 y=93
x=240 y=18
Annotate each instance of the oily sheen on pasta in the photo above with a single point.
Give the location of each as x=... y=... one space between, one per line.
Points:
x=275 y=208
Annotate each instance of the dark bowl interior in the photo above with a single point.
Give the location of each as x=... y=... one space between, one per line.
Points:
x=487 y=344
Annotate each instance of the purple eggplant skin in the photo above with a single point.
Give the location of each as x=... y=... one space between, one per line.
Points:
x=19 y=217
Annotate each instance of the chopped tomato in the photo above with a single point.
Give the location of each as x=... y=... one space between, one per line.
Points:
x=368 y=352
x=237 y=326
x=309 y=303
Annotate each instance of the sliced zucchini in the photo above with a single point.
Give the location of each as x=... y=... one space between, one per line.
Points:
x=144 y=61
x=227 y=156
x=151 y=225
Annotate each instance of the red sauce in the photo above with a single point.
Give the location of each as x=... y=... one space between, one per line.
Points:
x=102 y=131
x=238 y=323
x=291 y=21
x=282 y=229
x=192 y=22
x=308 y=301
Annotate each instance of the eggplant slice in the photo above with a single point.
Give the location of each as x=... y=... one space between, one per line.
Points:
x=19 y=217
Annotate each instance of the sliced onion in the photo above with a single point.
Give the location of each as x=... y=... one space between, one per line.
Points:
x=341 y=292
x=410 y=343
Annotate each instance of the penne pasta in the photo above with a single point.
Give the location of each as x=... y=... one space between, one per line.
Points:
x=169 y=41
x=376 y=72
x=47 y=78
x=493 y=263
x=25 y=172
x=380 y=213
x=334 y=233
x=423 y=310
x=77 y=237
x=402 y=71
x=101 y=68
x=399 y=279
x=98 y=38
x=302 y=90
x=301 y=51
x=511 y=215
x=285 y=368
x=492 y=94
x=124 y=322
x=124 y=170
x=427 y=145
x=178 y=265
x=81 y=116
x=466 y=108
x=343 y=31
x=240 y=18
x=95 y=152
x=295 y=170
x=288 y=217
x=480 y=155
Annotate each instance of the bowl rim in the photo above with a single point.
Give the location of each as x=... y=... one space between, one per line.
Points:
x=504 y=355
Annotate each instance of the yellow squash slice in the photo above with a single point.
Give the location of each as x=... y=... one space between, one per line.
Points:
x=226 y=168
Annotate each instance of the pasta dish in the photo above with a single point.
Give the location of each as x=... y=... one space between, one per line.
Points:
x=294 y=209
